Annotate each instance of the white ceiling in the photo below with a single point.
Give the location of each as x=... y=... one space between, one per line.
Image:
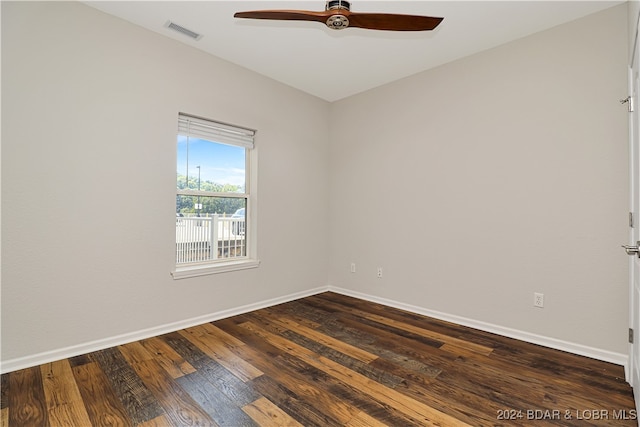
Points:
x=334 y=64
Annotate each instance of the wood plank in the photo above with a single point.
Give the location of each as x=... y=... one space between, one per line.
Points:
x=135 y=353
x=305 y=314
x=287 y=310
x=168 y=358
x=265 y=413
x=296 y=406
x=161 y=421
x=79 y=360
x=103 y=407
x=4 y=391
x=4 y=400
x=362 y=419
x=221 y=336
x=137 y=400
x=64 y=402
x=234 y=388
x=179 y=407
x=26 y=401
x=215 y=403
x=221 y=353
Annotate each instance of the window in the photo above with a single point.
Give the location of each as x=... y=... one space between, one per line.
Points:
x=215 y=215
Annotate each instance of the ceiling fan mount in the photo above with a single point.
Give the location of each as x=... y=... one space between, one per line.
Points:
x=337 y=15
x=337 y=4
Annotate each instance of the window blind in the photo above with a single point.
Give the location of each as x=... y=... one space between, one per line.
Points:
x=215 y=131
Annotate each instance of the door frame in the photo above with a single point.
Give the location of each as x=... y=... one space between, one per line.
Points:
x=632 y=373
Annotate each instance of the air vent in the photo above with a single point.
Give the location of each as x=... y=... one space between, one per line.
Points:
x=183 y=30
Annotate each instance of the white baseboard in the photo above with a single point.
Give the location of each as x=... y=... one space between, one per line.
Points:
x=582 y=350
x=76 y=350
x=66 y=352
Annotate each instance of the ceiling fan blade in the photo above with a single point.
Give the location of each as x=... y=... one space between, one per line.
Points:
x=340 y=18
x=392 y=22
x=286 y=15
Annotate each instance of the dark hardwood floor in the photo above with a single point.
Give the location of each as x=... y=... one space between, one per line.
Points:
x=325 y=360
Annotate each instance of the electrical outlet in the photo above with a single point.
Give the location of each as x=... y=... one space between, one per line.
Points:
x=353 y=267
x=379 y=272
x=538 y=300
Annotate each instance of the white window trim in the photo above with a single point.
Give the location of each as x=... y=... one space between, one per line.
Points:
x=244 y=263
x=185 y=272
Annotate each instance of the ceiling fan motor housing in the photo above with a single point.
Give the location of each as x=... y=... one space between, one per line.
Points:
x=337 y=21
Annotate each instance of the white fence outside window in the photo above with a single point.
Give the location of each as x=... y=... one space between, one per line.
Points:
x=202 y=239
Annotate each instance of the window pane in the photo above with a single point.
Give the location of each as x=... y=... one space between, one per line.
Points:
x=210 y=166
x=206 y=206
x=209 y=228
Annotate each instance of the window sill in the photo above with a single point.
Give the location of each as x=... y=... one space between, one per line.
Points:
x=222 y=267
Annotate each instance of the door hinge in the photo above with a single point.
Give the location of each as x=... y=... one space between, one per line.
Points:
x=630 y=336
x=631 y=222
x=629 y=101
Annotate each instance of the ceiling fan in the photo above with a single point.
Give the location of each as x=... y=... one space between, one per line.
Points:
x=337 y=15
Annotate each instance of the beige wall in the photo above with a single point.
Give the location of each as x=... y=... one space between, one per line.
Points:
x=89 y=115
x=633 y=9
x=480 y=182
